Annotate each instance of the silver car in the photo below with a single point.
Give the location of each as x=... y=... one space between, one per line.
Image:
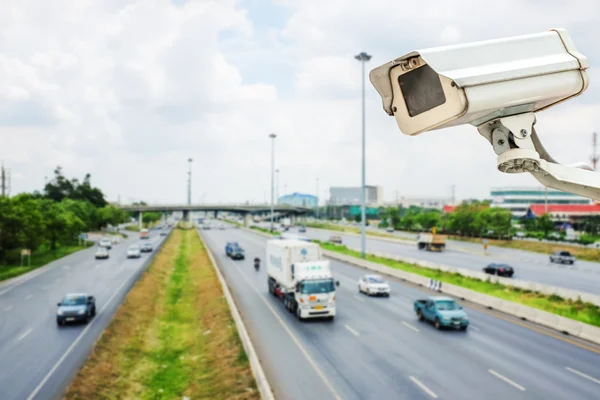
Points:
x=134 y=251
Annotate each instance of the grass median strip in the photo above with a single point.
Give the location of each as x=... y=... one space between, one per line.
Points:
x=350 y=229
x=173 y=337
x=576 y=310
x=265 y=230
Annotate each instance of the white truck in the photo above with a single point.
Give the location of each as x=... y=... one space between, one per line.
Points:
x=285 y=223
x=298 y=274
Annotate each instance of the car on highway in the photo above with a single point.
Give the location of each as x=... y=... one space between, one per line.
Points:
x=389 y=229
x=237 y=253
x=101 y=253
x=75 y=307
x=146 y=248
x=134 y=251
x=443 y=312
x=562 y=257
x=335 y=239
x=374 y=285
x=499 y=269
x=104 y=242
x=222 y=227
x=302 y=229
x=229 y=247
x=163 y=233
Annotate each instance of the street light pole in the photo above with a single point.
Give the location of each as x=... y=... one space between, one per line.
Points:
x=363 y=58
x=272 y=136
x=189 y=197
x=277 y=187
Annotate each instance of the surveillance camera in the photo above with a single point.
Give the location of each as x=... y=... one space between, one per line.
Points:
x=497 y=86
x=478 y=82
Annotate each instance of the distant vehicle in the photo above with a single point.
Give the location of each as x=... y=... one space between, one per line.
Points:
x=222 y=227
x=116 y=240
x=229 y=247
x=390 y=229
x=373 y=285
x=101 y=253
x=286 y=223
x=444 y=312
x=206 y=227
x=76 y=307
x=134 y=251
x=106 y=243
x=237 y=253
x=163 y=233
x=499 y=269
x=431 y=242
x=302 y=229
x=144 y=234
x=300 y=276
x=562 y=257
x=335 y=239
x=146 y=248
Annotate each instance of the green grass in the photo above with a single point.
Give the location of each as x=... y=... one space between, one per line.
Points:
x=576 y=310
x=348 y=229
x=264 y=230
x=38 y=259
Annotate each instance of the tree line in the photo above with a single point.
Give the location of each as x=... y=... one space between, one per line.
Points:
x=475 y=219
x=54 y=217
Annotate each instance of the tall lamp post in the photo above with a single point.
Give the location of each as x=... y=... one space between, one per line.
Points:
x=189 y=197
x=363 y=58
x=272 y=136
x=317 y=193
x=277 y=187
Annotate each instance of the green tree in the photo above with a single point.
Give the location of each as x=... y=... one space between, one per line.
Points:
x=544 y=224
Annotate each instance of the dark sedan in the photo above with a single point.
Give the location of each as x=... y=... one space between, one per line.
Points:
x=500 y=270
x=77 y=307
x=237 y=253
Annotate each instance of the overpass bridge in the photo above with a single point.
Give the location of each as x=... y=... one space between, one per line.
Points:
x=245 y=210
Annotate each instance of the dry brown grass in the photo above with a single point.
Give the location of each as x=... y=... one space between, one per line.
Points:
x=158 y=345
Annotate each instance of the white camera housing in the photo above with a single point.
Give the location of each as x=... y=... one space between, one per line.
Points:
x=479 y=82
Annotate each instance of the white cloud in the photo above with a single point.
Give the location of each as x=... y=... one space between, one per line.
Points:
x=128 y=90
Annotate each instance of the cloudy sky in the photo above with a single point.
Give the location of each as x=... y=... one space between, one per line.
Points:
x=128 y=90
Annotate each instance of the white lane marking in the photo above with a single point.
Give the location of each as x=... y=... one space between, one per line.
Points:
x=75 y=343
x=475 y=328
x=289 y=332
x=98 y=266
x=359 y=299
x=409 y=326
x=24 y=334
x=423 y=387
x=583 y=375
x=65 y=267
x=352 y=330
x=4 y=291
x=28 y=297
x=505 y=379
x=8 y=308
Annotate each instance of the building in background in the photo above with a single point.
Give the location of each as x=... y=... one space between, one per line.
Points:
x=350 y=196
x=299 y=200
x=437 y=203
x=519 y=199
x=567 y=213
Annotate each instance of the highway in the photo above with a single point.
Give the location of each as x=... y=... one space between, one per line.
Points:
x=582 y=276
x=376 y=348
x=39 y=359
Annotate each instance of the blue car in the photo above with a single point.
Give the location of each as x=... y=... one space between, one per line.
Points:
x=230 y=246
x=443 y=312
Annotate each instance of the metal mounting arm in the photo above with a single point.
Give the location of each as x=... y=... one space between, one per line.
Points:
x=519 y=150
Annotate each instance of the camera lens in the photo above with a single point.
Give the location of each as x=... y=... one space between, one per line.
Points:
x=422 y=90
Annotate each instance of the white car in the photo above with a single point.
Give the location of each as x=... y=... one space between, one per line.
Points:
x=373 y=285
x=134 y=251
x=107 y=243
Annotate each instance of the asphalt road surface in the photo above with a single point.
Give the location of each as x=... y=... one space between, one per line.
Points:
x=582 y=276
x=39 y=359
x=376 y=348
